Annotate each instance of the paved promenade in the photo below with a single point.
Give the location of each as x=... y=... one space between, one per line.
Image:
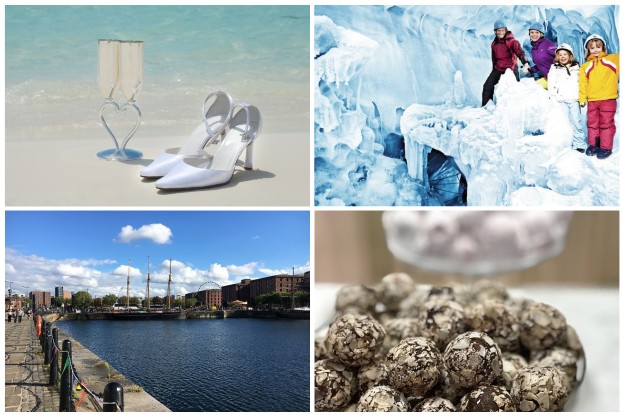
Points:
x=26 y=381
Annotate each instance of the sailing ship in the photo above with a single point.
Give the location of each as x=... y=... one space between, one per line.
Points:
x=150 y=312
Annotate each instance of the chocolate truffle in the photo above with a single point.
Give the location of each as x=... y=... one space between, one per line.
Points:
x=541 y=327
x=488 y=290
x=438 y=292
x=495 y=319
x=512 y=363
x=397 y=329
x=487 y=399
x=334 y=386
x=441 y=321
x=394 y=288
x=539 y=389
x=572 y=342
x=374 y=374
x=320 y=351
x=382 y=399
x=356 y=297
x=435 y=404
x=354 y=339
x=473 y=359
x=446 y=389
x=414 y=366
x=560 y=358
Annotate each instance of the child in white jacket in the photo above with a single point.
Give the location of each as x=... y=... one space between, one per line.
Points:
x=564 y=87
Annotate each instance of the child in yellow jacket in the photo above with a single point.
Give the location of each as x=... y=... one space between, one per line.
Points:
x=599 y=83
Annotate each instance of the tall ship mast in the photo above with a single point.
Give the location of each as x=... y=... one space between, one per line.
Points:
x=128 y=288
x=169 y=288
x=148 y=277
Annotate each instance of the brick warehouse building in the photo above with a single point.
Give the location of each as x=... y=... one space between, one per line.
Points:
x=40 y=299
x=247 y=289
x=209 y=298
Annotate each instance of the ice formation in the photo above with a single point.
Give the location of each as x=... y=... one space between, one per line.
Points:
x=398 y=118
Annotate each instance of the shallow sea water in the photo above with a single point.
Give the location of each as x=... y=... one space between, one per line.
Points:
x=259 y=54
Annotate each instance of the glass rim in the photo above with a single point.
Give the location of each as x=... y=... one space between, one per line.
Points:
x=120 y=41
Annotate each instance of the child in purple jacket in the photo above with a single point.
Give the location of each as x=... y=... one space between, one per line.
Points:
x=543 y=53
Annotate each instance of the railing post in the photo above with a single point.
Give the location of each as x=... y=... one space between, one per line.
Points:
x=54 y=358
x=46 y=343
x=113 y=397
x=66 y=379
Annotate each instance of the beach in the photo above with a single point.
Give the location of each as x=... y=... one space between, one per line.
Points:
x=52 y=122
x=62 y=169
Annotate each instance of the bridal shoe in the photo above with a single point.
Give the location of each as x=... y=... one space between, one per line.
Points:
x=243 y=128
x=219 y=105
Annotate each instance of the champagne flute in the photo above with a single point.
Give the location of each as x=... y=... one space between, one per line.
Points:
x=131 y=69
x=127 y=71
x=108 y=67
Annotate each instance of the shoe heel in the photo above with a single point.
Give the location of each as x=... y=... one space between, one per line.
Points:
x=248 y=160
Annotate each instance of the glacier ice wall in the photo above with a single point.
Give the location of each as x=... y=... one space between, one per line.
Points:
x=373 y=63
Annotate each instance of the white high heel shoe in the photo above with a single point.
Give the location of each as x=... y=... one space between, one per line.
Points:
x=244 y=127
x=219 y=106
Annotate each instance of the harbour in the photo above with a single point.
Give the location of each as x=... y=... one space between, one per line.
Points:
x=232 y=365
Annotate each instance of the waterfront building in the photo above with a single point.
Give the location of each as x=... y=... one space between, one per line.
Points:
x=40 y=299
x=279 y=284
x=207 y=298
x=236 y=292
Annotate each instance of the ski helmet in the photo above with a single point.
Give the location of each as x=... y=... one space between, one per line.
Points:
x=594 y=37
x=499 y=24
x=537 y=26
x=565 y=46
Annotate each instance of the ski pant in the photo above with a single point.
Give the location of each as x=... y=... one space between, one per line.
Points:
x=572 y=110
x=600 y=122
x=491 y=82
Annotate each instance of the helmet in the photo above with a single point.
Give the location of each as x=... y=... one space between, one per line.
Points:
x=499 y=24
x=593 y=37
x=565 y=46
x=537 y=26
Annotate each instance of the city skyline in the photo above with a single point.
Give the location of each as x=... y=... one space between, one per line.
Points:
x=89 y=250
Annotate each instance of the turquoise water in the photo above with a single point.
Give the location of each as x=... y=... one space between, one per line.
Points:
x=257 y=53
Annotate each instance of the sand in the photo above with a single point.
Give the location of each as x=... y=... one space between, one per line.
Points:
x=60 y=169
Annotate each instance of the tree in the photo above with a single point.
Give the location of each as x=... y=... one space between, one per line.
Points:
x=191 y=302
x=57 y=301
x=98 y=302
x=82 y=299
x=157 y=300
x=122 y=301
x=109 y=300
x=135 y=301
x=179 y=302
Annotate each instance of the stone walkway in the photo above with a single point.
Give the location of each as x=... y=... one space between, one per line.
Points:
x=25 y=379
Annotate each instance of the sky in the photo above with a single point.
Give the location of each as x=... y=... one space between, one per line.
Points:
x=90 y=250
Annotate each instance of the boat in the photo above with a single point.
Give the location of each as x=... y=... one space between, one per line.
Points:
x=146 y=315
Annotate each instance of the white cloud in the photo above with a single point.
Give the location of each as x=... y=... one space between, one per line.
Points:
x=32 y=272
x=122 y=270
x=298 y=269
x=246 y=269
x=156 y=232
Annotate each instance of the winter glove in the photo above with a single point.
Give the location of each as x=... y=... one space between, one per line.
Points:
x=525 y=69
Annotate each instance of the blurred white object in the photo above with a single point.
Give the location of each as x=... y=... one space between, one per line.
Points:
x=475 y=243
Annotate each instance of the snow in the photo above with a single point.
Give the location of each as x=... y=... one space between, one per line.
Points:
x=384 y=73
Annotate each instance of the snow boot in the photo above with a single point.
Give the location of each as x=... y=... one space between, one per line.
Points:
x=602 y=153
x=591 y=150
